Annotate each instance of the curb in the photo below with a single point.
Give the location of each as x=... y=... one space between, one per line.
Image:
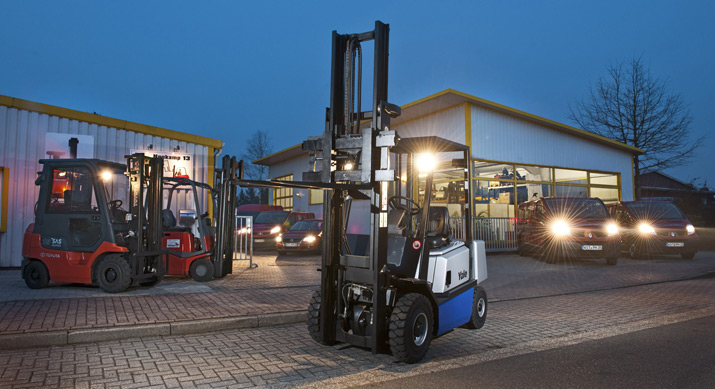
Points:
x=90 y=335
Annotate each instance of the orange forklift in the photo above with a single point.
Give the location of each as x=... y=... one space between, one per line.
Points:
x=82 y=234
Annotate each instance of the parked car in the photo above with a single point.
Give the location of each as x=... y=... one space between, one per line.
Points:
x=654 y=227
x=304 y=236
x=570 y=227
x=268 y=225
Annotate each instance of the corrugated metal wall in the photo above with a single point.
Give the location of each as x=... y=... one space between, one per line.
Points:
x=500 y=137
x=22 y=137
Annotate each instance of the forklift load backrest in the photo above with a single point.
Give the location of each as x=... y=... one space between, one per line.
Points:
x=168 y=219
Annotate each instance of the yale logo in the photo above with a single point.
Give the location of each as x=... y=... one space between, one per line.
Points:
x=462 y=274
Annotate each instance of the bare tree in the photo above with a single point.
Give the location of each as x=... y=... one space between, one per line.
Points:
x=633 y=107
x=257 y=147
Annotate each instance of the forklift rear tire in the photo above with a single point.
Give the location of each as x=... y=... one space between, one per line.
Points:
x=411 y=328
x=36 y=275
x=114 y=274
x=202 y=270
x=479 y=309
x=314 y=316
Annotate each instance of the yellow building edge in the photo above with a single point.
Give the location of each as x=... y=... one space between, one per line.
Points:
x=108 y=121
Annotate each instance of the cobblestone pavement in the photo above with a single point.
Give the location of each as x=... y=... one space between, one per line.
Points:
x=286 y=356
x=285 y=283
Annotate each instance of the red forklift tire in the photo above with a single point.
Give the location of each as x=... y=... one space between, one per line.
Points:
x=36 y=275
x=410 y=328
x=202 y=270
x=114 y=274
x=479 y=309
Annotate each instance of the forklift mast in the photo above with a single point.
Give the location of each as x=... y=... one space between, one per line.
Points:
x=225 y=214
x=145 y=224
x=355 y=150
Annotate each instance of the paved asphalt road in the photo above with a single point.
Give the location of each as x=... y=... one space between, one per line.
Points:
x=679 y=355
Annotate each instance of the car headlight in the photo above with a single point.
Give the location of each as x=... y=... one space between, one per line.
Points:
x=275 y=230
x=690 y=229
x=560 y=228
x=612 y=229
x=309 y=239
x=646 y=229
x=279 y=238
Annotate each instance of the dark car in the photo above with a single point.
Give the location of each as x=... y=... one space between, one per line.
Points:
x=267 y=226
x=303 y=236
x=254 y=209
x=568 y=227
x=654 y=227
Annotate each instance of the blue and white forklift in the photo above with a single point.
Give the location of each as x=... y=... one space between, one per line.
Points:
x=417 y=277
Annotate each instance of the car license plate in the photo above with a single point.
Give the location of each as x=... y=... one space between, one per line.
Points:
x=675 y=244
x=291 y=244
x=591 y=247
x=259 y=240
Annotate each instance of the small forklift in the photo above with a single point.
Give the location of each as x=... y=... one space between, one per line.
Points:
x=418 y=277
x=82 y=234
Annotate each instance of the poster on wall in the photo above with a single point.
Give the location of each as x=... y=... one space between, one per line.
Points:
x=57 y=145
x=175 y=164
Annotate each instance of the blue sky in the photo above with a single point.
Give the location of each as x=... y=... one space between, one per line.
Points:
x=224 y=69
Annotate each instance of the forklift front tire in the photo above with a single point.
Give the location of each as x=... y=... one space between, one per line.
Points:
x=36 y=275
x=114 y=274
x=314 y=316
x=202 y=270
x=479 y=309
x=411 y=328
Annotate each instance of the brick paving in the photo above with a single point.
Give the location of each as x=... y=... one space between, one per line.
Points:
x=286 y=356
x=284 y=284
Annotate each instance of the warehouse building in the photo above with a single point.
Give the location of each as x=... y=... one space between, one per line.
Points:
x=31 y=131
x=516 y=156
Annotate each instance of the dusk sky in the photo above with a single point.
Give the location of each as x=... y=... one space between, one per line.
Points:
x=224 y=69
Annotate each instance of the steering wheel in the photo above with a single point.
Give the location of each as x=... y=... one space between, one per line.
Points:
x=115 y=203
x=412 y=208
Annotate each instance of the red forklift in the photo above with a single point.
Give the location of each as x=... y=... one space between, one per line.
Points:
x=82 y=234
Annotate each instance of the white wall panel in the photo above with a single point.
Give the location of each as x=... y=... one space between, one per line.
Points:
x=499 y=137
x=447 y=124
x=22 y=134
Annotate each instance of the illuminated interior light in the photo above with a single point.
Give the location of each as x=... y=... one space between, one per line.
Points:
x=106 y=176
x=348 y=166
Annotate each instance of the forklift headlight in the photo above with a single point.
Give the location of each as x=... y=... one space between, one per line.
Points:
x=106 y=176
x=690 y=229
x=275 y=230
x=309 y=239
x=646 y=229
x=426 y=163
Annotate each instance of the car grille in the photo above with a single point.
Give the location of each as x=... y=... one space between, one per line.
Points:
x=292 y=240
x=583 y=233
x=670 y=233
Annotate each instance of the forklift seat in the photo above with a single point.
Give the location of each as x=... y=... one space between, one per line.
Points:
x=438 y=234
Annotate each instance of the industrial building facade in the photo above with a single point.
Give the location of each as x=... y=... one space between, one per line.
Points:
x=31 y=131
x=516 y=157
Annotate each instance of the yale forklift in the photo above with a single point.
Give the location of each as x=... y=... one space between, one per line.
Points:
x=418 y=277
x=83 y=234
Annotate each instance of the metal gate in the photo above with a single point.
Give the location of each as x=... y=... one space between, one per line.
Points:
x=498 y=233
x=243 y=242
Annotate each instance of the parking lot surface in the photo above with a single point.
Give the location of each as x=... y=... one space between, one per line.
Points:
x=534 y=305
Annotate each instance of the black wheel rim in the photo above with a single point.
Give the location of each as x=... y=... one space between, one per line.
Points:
x=110 y=275
x=201 y=270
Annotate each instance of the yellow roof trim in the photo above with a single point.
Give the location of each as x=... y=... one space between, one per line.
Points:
x=108 y=121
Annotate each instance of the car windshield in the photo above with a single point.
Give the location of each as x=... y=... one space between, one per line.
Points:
x=577 y=208
x=306 y=226
x=271 y=217
x=655 y=211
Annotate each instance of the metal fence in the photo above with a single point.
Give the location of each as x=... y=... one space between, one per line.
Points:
x=243 y=242
x=498 y=233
